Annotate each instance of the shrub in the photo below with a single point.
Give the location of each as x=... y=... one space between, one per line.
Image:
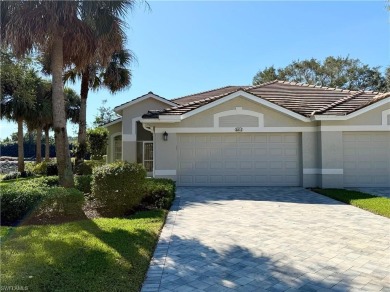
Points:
x=83 y=183
x=98 y=139
x=48 y=181
x=83 y=169
x=18 y=201
x=51 y=169
x=160 y=193
x=40 y=168
x=16 y=174
x=118 y=187
x=87 y=166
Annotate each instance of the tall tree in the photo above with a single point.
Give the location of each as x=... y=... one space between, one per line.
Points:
x=18 y=89
x=335 y=72
x=115 y=76
x=40 y=114
x=65 y=30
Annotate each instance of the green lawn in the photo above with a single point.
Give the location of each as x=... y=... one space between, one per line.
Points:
x=91 y=255
x=374 y=204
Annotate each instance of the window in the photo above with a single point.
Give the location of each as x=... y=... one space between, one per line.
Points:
x=118 y=147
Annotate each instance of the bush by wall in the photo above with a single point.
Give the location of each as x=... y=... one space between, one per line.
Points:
x=118 y=187
x=21 y=200
x=160 y=193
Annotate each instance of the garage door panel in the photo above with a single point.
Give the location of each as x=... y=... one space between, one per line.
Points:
x=366 y=159
x=240 y=159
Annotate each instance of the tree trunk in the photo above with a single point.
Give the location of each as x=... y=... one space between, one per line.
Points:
x=20 y=146
x=47 y=144
x=82 y=136
x=64 y=165
x=39 y=145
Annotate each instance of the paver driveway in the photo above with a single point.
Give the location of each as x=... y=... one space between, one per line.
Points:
x=269 y=239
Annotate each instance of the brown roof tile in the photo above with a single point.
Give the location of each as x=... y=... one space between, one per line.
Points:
x=303 y=99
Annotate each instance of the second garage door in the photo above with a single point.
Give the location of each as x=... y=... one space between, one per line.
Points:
x=239 y=159
x=366 y=159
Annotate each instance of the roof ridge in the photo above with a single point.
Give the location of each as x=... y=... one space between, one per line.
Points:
x=323 y=87
x=203 y=92
x=261 y=85
x=201 y=100
x=337 y=102
x=141 y=96
x=374 y=99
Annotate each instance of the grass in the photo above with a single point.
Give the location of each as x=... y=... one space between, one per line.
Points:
x=104 y=254
x=19 y=179
x=374 y=204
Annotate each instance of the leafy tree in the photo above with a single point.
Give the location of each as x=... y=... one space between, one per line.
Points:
x=18 y=90
x=105 y=115
x=334 y=72
x=65 y=31
x=98 y=139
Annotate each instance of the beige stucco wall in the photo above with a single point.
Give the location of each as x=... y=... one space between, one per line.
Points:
x=137 y=110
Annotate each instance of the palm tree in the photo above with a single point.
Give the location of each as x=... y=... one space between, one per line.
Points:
x=115 y=76
x=41 y=117
x=40 y=114
x=66 y=31
x=18 y=84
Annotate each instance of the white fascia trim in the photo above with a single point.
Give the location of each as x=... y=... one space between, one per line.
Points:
x=233 y=130
x=323 y=171
x=154 y=121
x=137 y=100
x=385 y=115
x=165 y=172
x=362 y=128
x=250 y=97
x=112 y=123
x=239 y=111
x=170 y=118
x=352 y=115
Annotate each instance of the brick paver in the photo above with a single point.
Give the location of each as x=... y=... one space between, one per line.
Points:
x=269 y=239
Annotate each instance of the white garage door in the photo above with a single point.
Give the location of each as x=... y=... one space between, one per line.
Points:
x=366 y=159
x=239 y=159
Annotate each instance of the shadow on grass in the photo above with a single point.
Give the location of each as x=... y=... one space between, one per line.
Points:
x=89 y=255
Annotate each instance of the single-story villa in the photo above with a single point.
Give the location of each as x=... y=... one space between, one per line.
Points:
x=274 y=134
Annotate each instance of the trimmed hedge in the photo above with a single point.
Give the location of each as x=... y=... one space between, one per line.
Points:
x=118 y=187
x=160 y=193
x=21 y=200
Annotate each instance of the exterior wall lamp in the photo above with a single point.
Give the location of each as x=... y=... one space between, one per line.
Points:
x=165 y=136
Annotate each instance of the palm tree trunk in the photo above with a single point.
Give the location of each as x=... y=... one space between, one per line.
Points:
x=59 y=119
x=82 y=136
x=47 y=144
x=20 y=146
x=39 y=145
